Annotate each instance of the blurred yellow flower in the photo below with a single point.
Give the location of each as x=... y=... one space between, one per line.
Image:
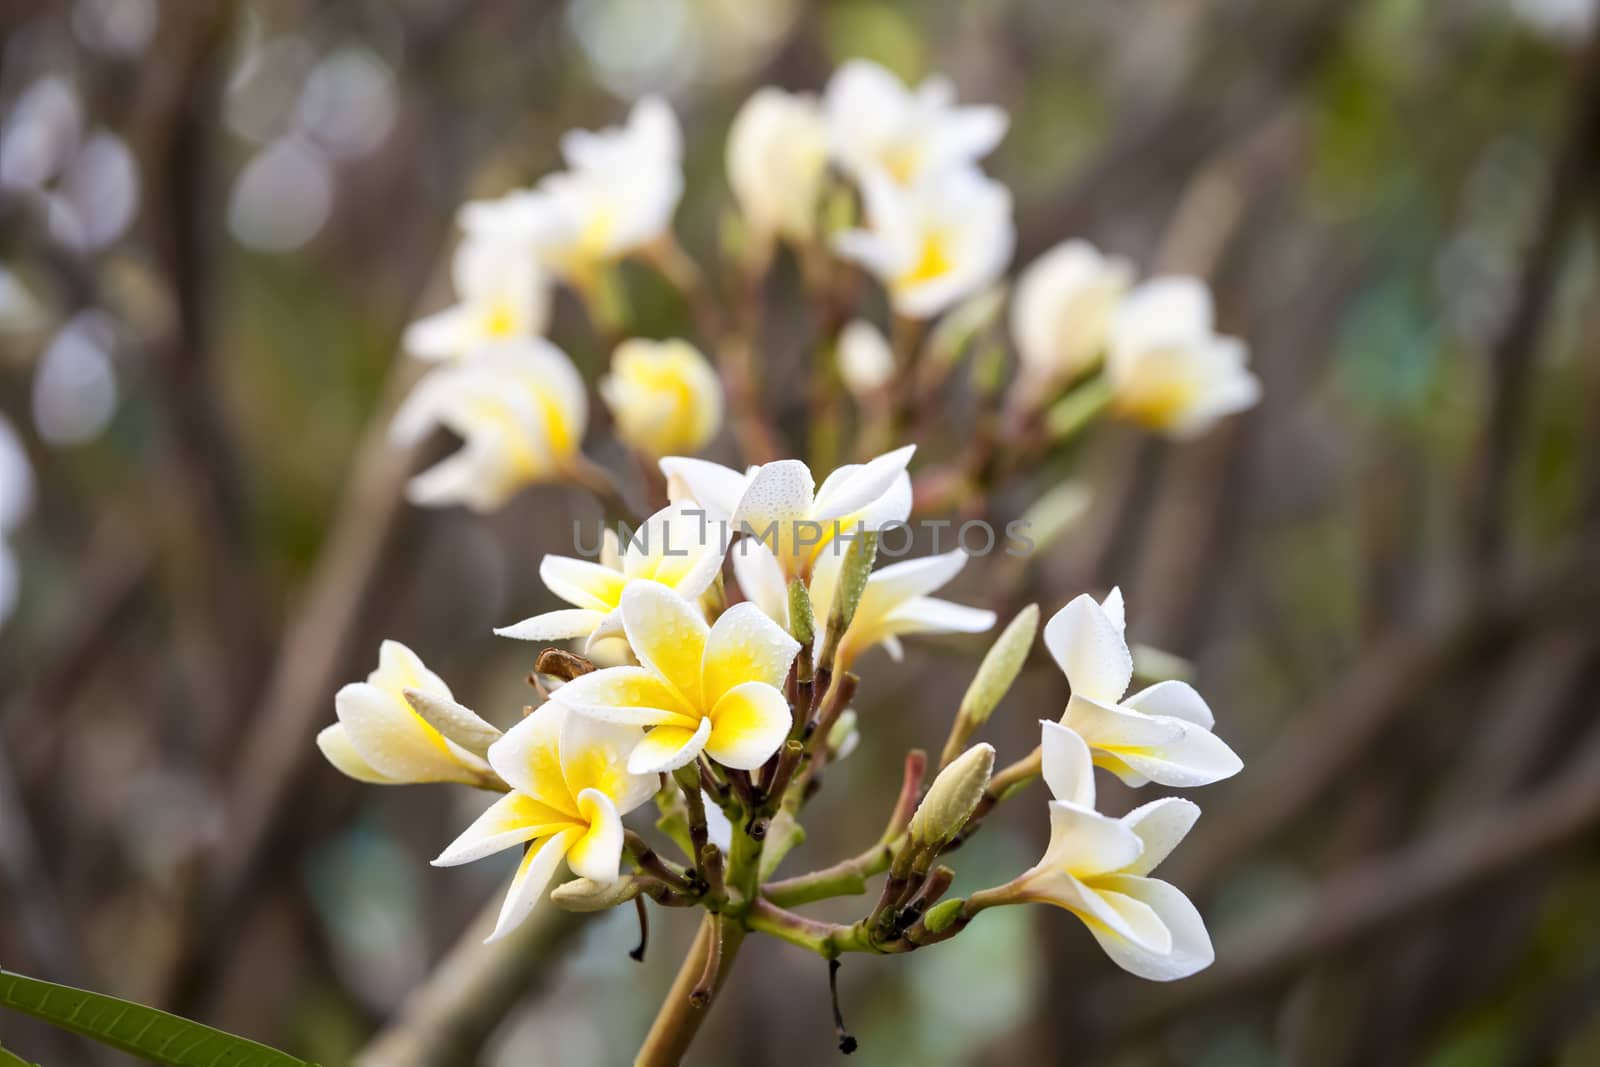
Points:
x=503 y=296
x=664 y=396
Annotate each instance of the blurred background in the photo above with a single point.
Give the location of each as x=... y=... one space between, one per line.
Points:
x=215 y=221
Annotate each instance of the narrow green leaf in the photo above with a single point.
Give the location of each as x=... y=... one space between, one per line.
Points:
x=141 y=1031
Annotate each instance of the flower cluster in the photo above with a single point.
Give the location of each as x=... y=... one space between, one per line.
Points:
x=720 y=643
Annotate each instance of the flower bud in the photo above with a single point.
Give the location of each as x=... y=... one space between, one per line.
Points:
x=458 y=723
x=777 y=157
x=1000 y=666
x=583 y=895
x=942 y=914
x=845 y=736
x=853 y=574
x=664 y=395
x=952 y=797
x=866 y=363
x=1061 y=316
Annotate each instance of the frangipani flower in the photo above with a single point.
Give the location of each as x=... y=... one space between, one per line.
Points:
x=664 y=395
x=1061 y=314
x=503 y=297
x=520 y=408
x=1168 y=368
x=713 y=688
x=775 y=502
x=569 y=793
x=1096 y=867
x=875 y=123
x=1160 y=734
x=619 y=194
x=16 y=501
x=894 y=603
x=777 y=157
x=380 y=738
x=678 y=548
x=934 y=243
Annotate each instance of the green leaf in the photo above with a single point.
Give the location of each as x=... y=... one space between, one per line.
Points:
x=141 y=1031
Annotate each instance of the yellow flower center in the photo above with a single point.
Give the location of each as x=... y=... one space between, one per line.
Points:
x=934 y=261
x=501 y=321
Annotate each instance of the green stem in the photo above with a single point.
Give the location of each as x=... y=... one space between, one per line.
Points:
x=683 y=1012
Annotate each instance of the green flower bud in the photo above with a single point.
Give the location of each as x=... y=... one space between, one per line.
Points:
x=942 y=914
x=582 y=895
x=1000 y=666
x=952 y=797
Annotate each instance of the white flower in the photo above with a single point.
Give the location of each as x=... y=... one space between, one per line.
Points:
x=875 y=123
x=1096 y=867
x=777 y=157
x=713 y=689
x=503 y=297
x=777 y=503
x=1160 y=734
x=664 y=395
x=619 y=193
x=934 y=243
x=380 y=738
x=678 y=547
x=894 y=603
x=1061 y=314
x=866 y=362
x=1168 y=368
x=520 y=407
x=569 y=793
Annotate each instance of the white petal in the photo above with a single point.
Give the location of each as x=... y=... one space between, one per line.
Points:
x=1116 y=729
x=666 y=748
x=530 y=881
x=1197 y=757
x=509 y=821
x=628 y=695
x=394 y=741
x=1160 y=824
x=714 y=487
x=1088 y=646
x=1109 y=915
x=582 y=583
x=930 y=615
x=779 y=493
x=343 y=755
x=899 y=582
x=1068 y=770
x=861 y=486
x=554 y=625
x=594 y=756
x=1176 y=699
x=442 y=335
x=1085 y=843
x=528 y=757
x=760 y=578
x=1190 y=946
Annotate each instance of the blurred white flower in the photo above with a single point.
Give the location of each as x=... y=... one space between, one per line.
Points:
x=74 y=386
x=619 y=193
x=877 y=124
x=101 y=191
x=520 y=409
x=1098 y=868
x=1168 y=368
x=1061 y=313
x=16 y=502
x=282 y=198
x=664 y=396
x=640 y=46
x=121 y=28
x=20 y=312
x=347 y=107
x=777 y=157
x=503 y=295
x=866 y=362
x=265 y=90
x=41 y=134
x=936 y=242
x=1560 y=20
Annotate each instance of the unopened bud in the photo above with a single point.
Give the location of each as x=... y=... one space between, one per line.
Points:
x=456 y=722
x=1000 y=666
x=583 y=895
x=845 y=736
x=942 y=914
x=866 y=362
x=952 y=797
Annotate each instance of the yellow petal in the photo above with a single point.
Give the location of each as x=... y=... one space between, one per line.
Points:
x=747 y=726
x=745 y=645
x=343 y=755
x=529 y=883
x=667 y=634
x=666 y=748
x=597 y=855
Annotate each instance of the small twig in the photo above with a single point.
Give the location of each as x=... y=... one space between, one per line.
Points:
x=847 y=1044
x=700 y=997
x=644 y=929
